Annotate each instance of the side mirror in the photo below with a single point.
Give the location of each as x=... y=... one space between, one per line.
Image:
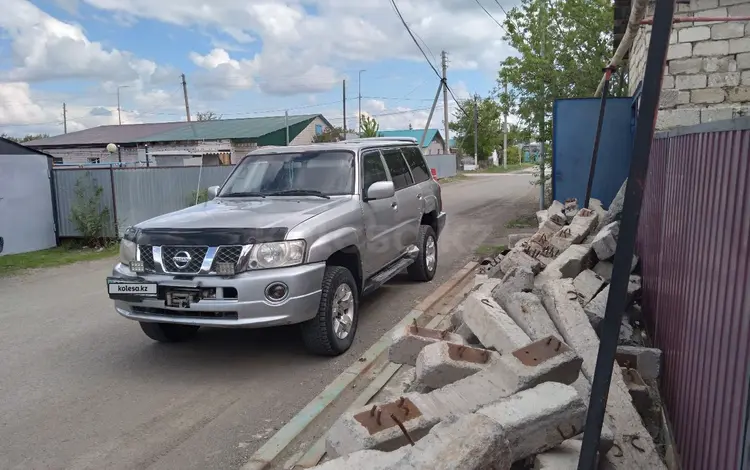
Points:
x=381 y=190
x=212 y=192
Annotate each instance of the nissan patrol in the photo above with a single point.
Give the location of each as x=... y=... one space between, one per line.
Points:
x=295 y=235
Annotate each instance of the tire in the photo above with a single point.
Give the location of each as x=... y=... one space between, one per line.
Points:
x=169 y=332
x=422 y=270
x=320 y=334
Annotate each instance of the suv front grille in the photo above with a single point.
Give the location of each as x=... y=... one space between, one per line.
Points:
x=196 y=254
x=228 y=254
x=147 y=256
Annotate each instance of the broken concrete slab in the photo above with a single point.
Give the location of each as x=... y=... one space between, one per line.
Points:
x=443 y=363
x=409 y=341
x=615 y=209
x=571 y=209
x=548 y=228
x=596 y=307
x=545 y=360
x=457 y=315
x=541 y=217
x=570 y=263
x=559 y=298
x=556 y=213
x=605 y=242
x=529 y=314
x=596 y=206
x=492 y=325
x=647 y=361
x=517 y=257
x=467 y=442
x=563 y=457
x=580 y=227
x=515 y=238
x=518 y=279
x=538 y=419
x=588 y=284
x=465 y=332
x=486 y=287
x=350 y=434
x=604 y=268
x=638 y=389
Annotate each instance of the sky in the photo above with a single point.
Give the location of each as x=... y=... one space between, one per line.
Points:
x=241 y=58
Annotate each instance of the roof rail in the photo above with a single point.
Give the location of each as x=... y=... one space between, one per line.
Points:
x=382 y=139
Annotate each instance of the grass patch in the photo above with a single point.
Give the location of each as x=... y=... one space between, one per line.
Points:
x=58 y=256
x=524 y=221
x=452 y=179
x=489 y=250
x=510 y=168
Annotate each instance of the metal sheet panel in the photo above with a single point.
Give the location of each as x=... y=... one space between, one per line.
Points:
x=65 y=191
x=574 y=128
x=693 y=243
x=444 y=164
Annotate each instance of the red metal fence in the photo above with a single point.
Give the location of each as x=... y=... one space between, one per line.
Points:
x=693 y=243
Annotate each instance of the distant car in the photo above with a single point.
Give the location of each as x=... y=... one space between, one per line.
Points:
x=296 y=235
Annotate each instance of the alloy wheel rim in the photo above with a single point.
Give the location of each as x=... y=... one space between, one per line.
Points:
x=343 y=311
x=430 y=252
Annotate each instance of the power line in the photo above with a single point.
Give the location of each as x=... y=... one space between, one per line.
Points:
x=408 y=30
x=490 y=15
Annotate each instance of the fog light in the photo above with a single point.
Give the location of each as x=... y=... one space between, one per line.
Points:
x=137 y=267
x=276 y=291
x=225 y=269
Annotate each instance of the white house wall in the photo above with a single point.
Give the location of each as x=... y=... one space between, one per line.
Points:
x=308 y=133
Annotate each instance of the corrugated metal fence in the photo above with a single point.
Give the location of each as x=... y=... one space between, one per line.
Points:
x=134 y=194
x=445 y=164
x=693 y=242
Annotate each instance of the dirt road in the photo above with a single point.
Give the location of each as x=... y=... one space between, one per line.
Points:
x=83 y=388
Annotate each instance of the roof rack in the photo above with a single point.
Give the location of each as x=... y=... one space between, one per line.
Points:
x=382 y=139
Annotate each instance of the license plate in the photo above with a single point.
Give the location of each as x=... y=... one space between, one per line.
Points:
x=132 y=288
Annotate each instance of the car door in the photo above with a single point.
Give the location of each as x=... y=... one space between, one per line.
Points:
x=408 y=198
x=428 y=188
x=379 y=217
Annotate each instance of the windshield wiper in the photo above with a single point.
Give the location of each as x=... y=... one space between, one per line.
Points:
x=244 y=194
x=299 y=192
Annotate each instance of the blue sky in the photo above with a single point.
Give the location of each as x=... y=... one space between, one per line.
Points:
x=240 y=57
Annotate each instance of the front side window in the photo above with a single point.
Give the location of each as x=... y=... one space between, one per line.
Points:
x=399 y=170
x=373 y=170
x=327 y=172
x=417 y=164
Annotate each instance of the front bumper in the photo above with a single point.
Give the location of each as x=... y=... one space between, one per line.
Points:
x=240 y=302
x=441 y=219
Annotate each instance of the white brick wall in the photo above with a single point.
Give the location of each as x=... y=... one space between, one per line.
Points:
x=708 y=65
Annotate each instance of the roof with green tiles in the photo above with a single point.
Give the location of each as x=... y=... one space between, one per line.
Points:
x=268 y=128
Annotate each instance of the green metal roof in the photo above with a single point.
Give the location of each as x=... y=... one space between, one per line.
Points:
x=246 y=128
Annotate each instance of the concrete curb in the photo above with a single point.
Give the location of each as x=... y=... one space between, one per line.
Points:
x=263 y=457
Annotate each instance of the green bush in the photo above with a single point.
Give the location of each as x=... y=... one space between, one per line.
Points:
x=89 y=219
x=202 y=197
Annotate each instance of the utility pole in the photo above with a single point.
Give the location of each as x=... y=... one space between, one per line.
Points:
x=476 y=131
x=505 y=127
x=65 y=120
x=359 y=116
x=542 y=116
x=184 y=92
x=446 y=146
x=119 y=116
x=344 y=101
x=286 y=125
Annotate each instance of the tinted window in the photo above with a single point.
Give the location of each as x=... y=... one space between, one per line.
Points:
x=399 y=171
x=417 y=164
x=373 y=170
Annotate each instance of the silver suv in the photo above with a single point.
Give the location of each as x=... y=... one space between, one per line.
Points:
x=295 y=235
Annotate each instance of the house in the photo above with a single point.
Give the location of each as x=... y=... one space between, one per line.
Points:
x=433 y=142
x=27 y=199
x=216 y=142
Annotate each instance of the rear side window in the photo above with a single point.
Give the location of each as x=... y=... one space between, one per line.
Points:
x=373 y=170
x=417 y=164
x=399 y=170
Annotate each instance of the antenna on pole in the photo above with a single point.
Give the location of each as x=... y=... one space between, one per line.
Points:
x=446 y=145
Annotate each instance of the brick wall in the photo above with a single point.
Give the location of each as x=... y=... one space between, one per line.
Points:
x=708 y=65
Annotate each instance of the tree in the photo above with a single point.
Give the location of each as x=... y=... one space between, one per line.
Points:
x=330 y=134
x=490 y=128
x=208 y=116
x=369 y=127
x=562 y=46
x=26 y=138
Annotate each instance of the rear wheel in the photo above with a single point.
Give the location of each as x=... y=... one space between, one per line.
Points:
x=168 y=332
x=424 y=267
x=332 y=330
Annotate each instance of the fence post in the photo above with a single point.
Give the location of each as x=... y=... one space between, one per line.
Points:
x=114 y=199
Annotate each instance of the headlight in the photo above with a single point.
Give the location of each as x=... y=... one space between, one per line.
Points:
x=274 y=255
x=127 y=251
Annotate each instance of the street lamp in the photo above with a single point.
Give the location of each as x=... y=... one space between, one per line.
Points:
x=359 y=115
x=119 y=118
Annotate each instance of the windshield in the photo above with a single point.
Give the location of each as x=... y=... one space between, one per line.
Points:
x=326 y=172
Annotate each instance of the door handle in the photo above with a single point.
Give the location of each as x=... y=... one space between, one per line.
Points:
x=394 y=205
x=419 y=196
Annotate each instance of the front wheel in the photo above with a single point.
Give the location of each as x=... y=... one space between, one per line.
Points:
x=331 y=332
x=424 y=267
x=169 y=332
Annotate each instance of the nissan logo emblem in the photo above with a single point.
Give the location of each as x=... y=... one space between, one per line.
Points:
x=181 y=259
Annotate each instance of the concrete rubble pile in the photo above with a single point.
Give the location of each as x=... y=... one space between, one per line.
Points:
x=509 y=383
